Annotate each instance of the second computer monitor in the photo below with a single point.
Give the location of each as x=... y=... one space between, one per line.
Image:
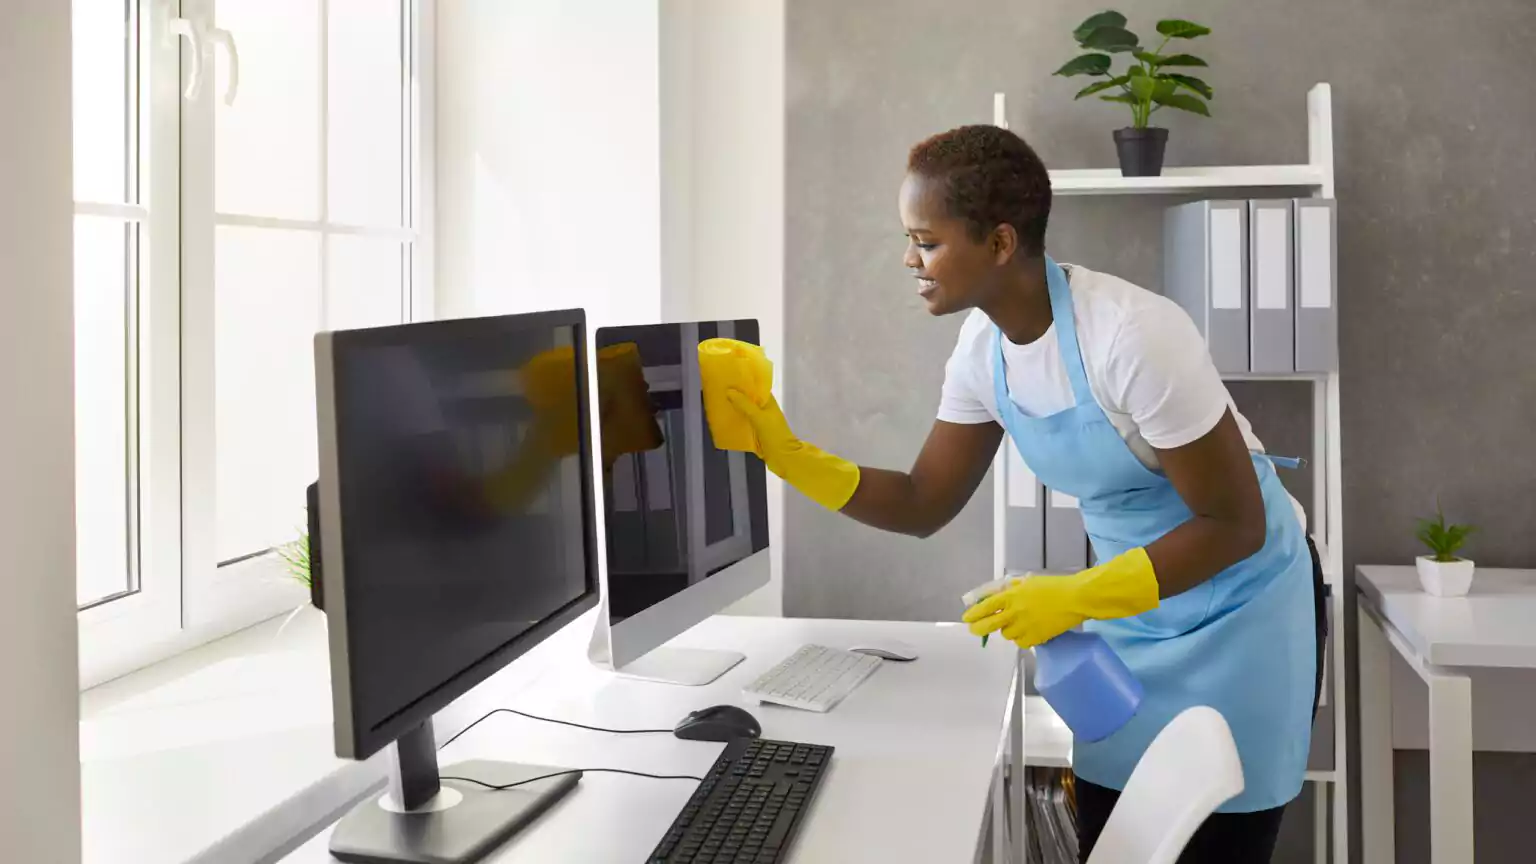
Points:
x=686 y=523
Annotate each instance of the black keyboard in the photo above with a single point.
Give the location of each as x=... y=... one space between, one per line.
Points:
x=749 y=805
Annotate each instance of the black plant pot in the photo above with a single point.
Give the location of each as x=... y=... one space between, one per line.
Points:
x=1141 y=151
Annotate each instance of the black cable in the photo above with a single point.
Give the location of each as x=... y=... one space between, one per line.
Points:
x=495 y=788
x=495 y=711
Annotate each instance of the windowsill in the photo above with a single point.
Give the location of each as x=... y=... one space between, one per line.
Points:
x=225 y=753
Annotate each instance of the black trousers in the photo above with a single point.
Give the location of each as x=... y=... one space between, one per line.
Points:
x=1228 y=838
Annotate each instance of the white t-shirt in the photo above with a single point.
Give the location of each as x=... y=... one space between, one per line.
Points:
x=1147 y=366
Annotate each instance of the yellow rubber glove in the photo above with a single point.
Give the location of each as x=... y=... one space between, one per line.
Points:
x=826 y=479
x=1036 y=609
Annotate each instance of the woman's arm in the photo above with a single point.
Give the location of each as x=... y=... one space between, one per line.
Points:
x=1215 y=477
x=950 y=466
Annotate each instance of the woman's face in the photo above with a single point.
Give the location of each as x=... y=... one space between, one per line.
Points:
x=954 y=272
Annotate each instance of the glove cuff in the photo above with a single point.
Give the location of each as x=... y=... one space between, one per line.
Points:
x=822 y=477
x=1123 y=586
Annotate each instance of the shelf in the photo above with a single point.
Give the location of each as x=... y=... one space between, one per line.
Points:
x=1311 y=377
x=1178 y=181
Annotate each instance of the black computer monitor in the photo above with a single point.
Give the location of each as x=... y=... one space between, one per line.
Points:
x=457 y=519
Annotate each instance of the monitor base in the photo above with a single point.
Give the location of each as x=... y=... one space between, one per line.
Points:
x=443 y=832
x=693 y=667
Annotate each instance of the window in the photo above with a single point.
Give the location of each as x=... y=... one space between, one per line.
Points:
x=247 y=172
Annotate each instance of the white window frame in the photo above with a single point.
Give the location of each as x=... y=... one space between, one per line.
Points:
x=185 y=598
x=111 y=628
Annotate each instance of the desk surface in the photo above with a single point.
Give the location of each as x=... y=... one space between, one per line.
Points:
x=917 y=745
x=1491 y=626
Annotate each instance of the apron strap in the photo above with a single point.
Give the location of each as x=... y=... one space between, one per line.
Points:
x=1066 y=331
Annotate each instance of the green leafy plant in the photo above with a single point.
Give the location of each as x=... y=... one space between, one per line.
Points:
x=1147 y=86
x=1442 y=540
x=296 y=558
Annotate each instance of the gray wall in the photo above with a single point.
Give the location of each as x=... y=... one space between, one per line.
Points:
x=1437 y=183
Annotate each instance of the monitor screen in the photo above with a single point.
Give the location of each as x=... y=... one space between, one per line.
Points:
x=676 y=508
x=464 y=503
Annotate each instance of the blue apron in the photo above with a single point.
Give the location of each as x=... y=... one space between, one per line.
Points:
x=1242 y=642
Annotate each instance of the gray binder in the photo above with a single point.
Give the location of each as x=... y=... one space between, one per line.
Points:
x=1317 y=285
x=1023 y=517
x=1205 y=270
x=1066 y=540
x=1272 y=322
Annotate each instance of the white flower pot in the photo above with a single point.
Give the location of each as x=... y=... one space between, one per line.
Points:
x=1445 y=578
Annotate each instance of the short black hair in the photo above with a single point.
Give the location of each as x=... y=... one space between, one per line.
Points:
x=991 y=177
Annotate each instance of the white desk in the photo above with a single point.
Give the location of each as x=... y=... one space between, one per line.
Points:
x=912 y=778
x=1439 y=638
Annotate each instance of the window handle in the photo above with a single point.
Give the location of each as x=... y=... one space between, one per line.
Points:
x=185 y=29
x=220 y=36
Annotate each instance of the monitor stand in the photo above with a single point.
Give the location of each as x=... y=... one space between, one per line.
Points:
x=694 y=667
x=424 y=820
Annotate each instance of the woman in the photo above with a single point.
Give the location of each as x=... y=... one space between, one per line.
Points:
x=1207 y=589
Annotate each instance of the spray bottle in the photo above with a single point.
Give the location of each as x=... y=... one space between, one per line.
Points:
x=1083 y=680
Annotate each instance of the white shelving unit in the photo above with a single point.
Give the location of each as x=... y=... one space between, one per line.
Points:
x=1182 y=181
x=1046 y=740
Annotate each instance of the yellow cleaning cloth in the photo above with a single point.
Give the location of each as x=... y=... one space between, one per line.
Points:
x=726 y=365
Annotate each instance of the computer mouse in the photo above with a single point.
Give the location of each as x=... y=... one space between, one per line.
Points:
x=718 y=723
x=887 y=649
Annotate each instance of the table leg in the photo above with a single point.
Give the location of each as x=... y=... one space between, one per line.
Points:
x=1450 y=768
x=1375 y=697
x=1000 y=848
x=1018 y=786
x=1320 y=810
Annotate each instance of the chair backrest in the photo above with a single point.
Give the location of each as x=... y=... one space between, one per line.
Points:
x=1190 y=769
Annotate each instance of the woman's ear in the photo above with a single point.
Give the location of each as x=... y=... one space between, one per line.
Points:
x=1005 y=244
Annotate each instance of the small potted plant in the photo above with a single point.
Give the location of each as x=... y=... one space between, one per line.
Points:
x=1442 y=572
x=1147 y=85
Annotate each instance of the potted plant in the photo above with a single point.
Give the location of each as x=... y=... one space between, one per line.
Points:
x=1147 y=85
x=1442 y=572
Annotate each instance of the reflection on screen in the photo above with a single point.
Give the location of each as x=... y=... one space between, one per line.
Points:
x=461 y=502
x=677 y=509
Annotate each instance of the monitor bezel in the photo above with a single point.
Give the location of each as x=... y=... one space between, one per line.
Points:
x=361 y=737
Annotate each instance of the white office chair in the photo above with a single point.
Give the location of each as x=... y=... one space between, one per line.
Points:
x=1190 y=769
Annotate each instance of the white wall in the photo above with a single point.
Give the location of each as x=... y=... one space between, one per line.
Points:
x=722 y=151
x=39 y=720
x=548 y=159
x=622 y=155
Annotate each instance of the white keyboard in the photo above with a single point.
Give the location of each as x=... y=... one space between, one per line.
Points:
x=814 y=678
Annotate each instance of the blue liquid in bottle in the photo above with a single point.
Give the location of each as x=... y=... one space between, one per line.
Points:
x=1087 y=684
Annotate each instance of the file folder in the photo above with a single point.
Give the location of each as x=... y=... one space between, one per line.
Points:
x=1024 y=516
x=1317 y=285
x=1205 y=270
x=1066 y=540
x=1272 y=322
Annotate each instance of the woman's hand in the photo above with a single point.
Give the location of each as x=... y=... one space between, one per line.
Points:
x=1036 y=608
x=824 y=478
